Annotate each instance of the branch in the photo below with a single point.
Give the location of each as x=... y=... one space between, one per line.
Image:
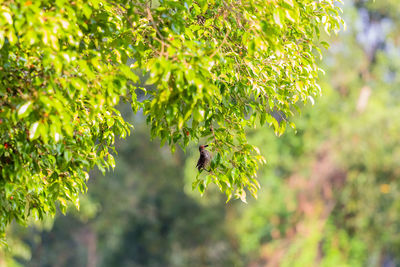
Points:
x=220 y=46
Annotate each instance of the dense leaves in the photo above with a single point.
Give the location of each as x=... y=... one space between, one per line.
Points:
x=217 y=68
x=221 y=67
x=329 y=194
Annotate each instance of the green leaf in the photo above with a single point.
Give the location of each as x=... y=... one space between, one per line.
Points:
x=8 y=17
x=24 y=110
x=67 y=155
x=34 y=131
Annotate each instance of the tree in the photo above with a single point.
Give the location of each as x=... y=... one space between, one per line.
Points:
x=137 y=215
x=330 y=194
x=217 y=68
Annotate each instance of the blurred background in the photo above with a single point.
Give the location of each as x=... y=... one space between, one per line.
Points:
x=330 y=192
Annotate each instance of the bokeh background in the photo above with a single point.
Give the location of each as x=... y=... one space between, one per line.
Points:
x=330 y=191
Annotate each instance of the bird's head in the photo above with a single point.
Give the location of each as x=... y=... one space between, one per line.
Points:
x=201 y=148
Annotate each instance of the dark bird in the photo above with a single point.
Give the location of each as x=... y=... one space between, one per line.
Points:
x=204 y=159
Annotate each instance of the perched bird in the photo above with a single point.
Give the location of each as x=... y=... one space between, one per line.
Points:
x=205 y=158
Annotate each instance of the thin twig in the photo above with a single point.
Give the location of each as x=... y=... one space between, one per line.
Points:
x=150 y=17
x=220 y=46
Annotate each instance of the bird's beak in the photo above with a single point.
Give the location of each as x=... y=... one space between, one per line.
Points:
x=205 y=145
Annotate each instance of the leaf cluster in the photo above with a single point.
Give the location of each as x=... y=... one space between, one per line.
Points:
x=217 y=68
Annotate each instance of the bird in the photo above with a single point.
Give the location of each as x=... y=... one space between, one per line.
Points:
x=205 y=158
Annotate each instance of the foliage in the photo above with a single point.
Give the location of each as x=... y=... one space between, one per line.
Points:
x=217 y=67
x=330 y=194
x=142 y=218
x=59 y=86
x=221 y=67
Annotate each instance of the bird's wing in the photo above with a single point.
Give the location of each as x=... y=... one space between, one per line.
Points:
x=198 y=163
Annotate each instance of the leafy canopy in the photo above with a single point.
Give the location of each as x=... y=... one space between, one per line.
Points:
x=216 y=68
